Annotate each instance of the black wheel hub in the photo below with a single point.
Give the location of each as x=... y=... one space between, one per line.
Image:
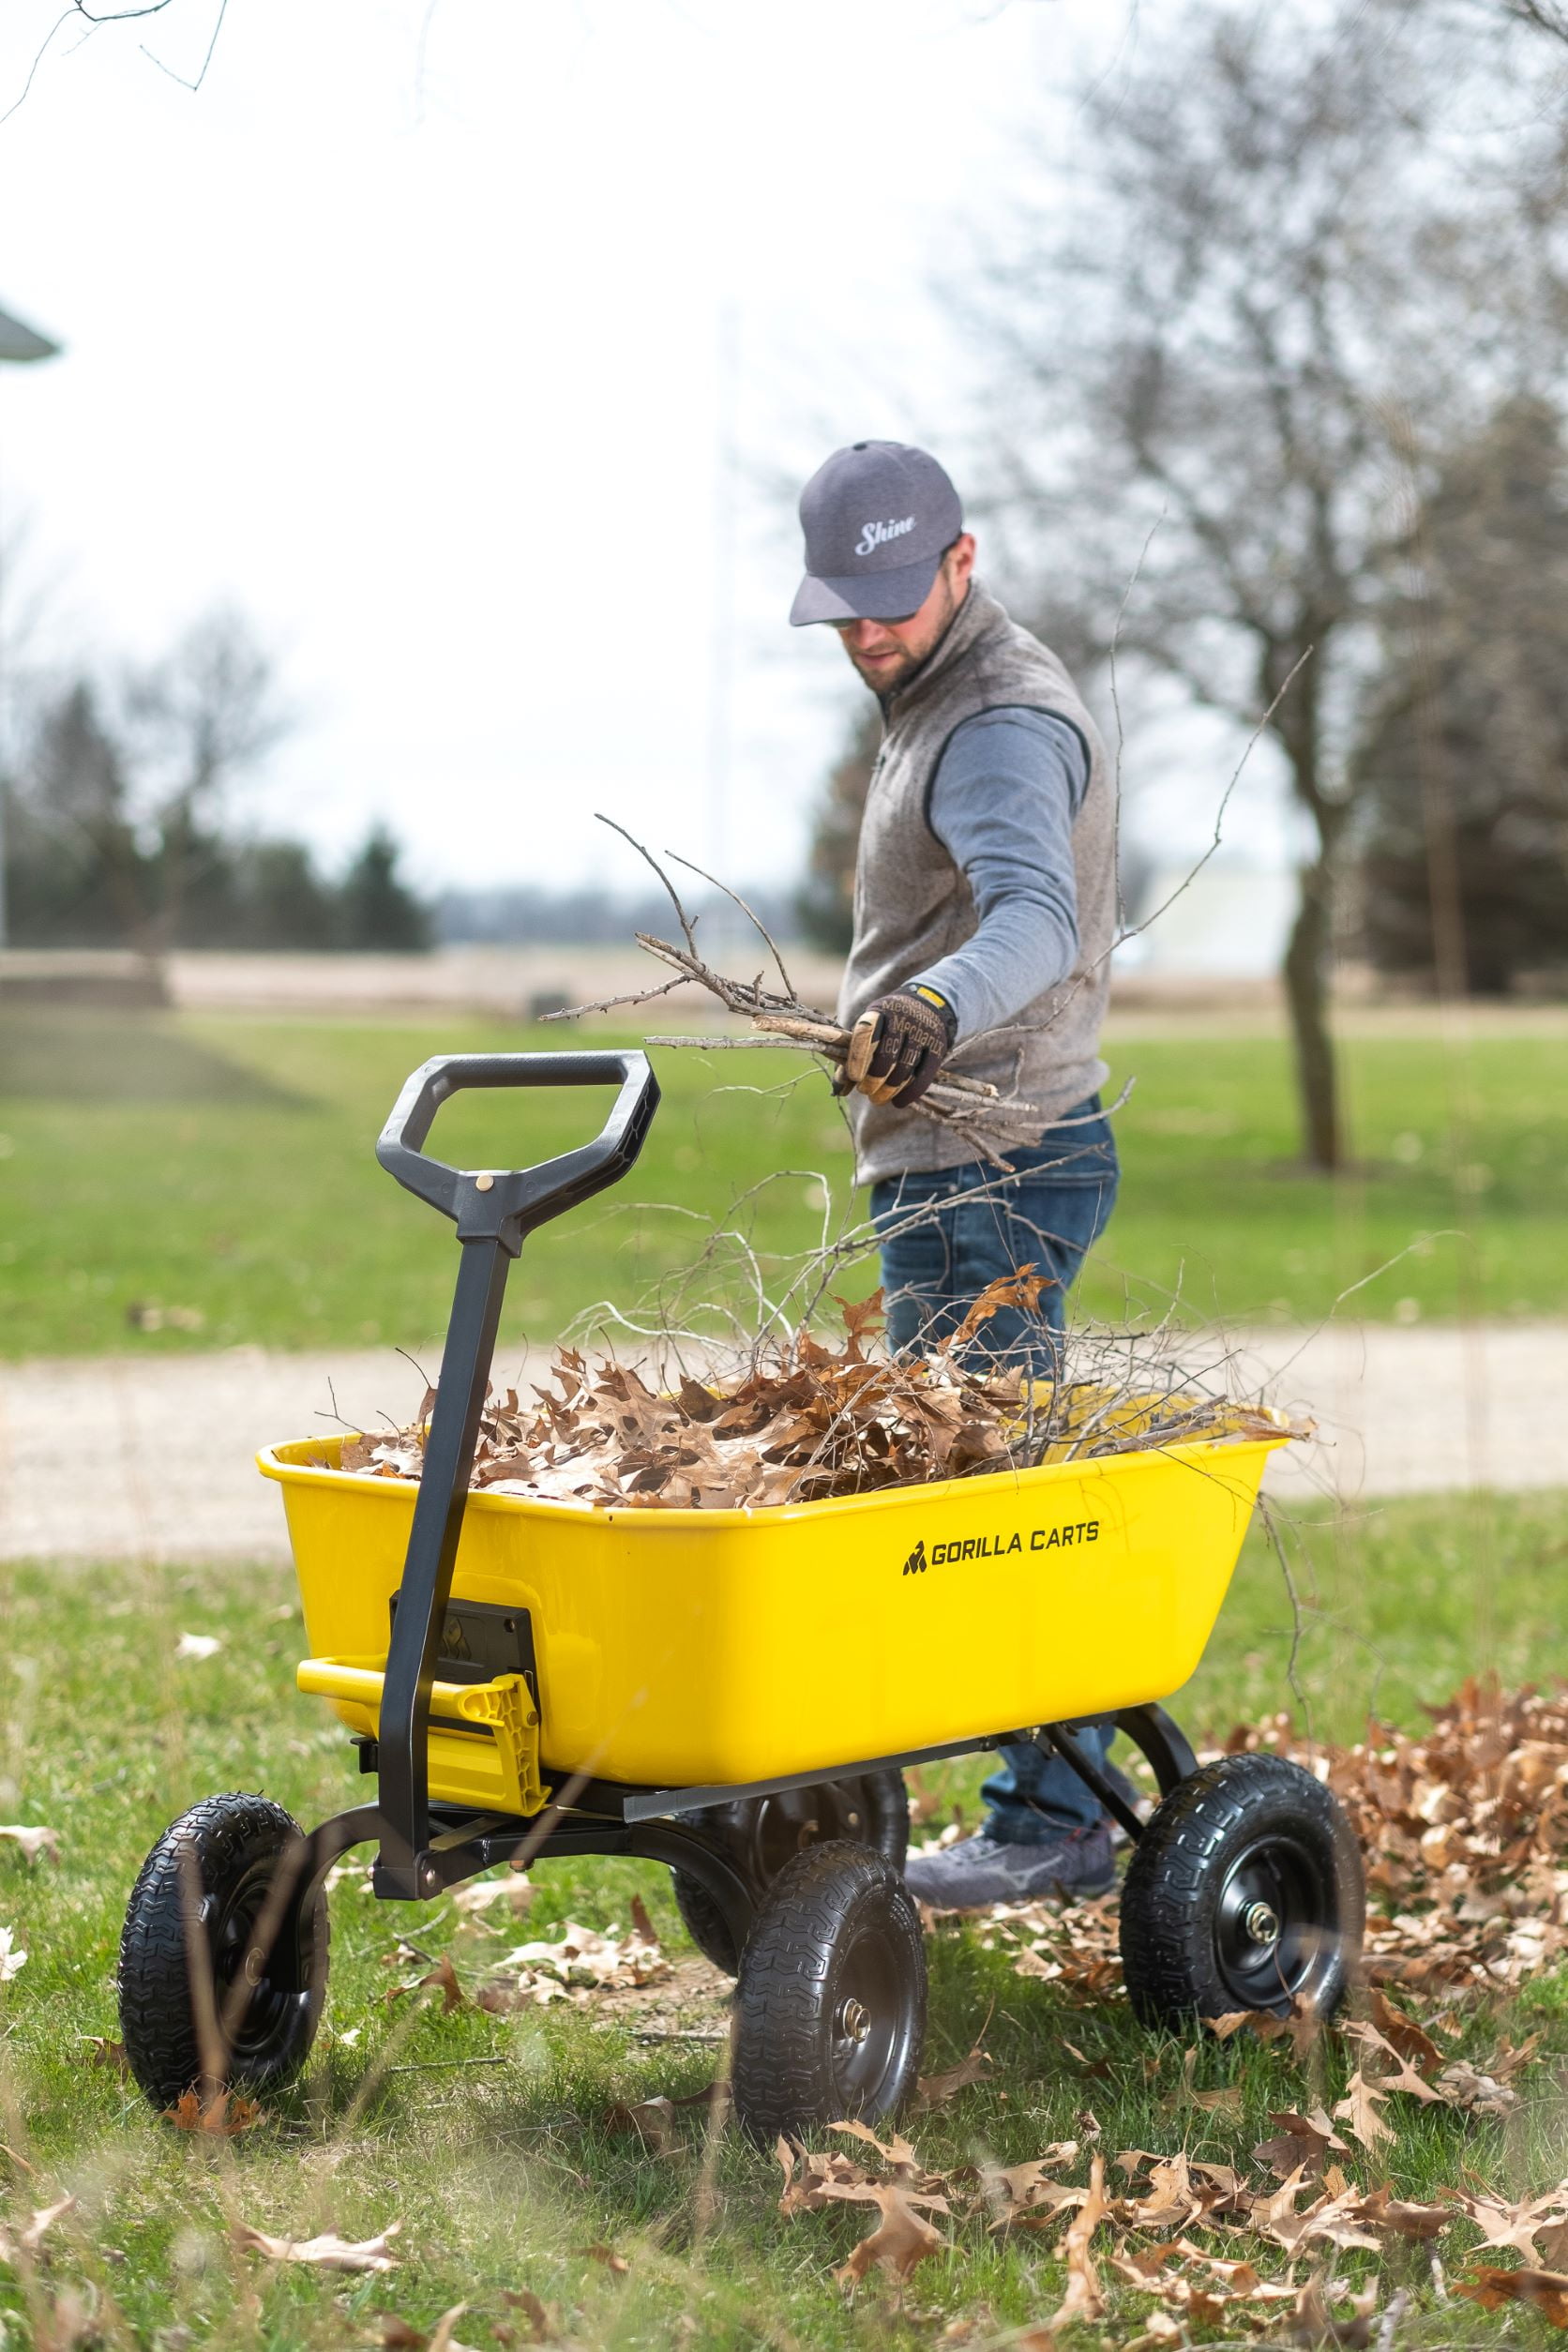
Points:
x=870 y=2024
x=259 y=1985
x=1276 y=1915
x=786 y=1823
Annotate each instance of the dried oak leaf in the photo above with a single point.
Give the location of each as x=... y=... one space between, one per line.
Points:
x=1405 y=2076
x=1313 y=2323
x=1463 y=2085
x=326 y=2253
x=1084 y=2298
x=107 y=2052
x=1011 y=2189
x=933 y=2089
x=515 y=1890
x=901 y=2242
x=1263 y=2022
x=544 y=2326
x=643 y=1927
x=615 y=2264
x=1358 y=2111
x=896 y=2152
x=1304 y=2140
x=400 y=2336
x=442 y=1979
x=1382 y=2209
x=31 y=2235
x=652 y=2119
x=1403 y=2034
x=1545 y=2291
x=1513 y=2225
x=224 y=2114
x=32 y=1843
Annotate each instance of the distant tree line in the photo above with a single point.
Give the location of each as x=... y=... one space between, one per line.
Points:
x=522 y=914
x=120 y=827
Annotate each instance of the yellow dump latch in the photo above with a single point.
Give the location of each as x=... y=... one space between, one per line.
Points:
x=500 y=1771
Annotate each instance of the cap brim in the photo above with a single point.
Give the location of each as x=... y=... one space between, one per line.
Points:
x=871 y=597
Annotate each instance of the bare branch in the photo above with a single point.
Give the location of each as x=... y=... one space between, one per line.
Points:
x=218 y=27
x=681 y=916
x=735 y=900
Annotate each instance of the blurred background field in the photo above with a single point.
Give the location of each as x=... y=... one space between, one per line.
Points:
x=187 y=1181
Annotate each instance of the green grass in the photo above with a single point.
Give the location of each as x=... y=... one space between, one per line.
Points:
x=222 y=1167
x=502 y=2175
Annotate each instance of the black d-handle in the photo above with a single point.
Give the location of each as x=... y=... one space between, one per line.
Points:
x=504 y=1204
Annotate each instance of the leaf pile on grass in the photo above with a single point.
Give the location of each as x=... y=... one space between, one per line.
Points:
x=1198 y=2238
x=1463 y=1829
x=579 y=1964
x=804 y=1421
x=1307 y=2209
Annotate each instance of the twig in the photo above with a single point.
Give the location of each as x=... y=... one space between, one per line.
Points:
x=201 y=75
x=752 y=917
x=687 y=931
x=1388 y=2327
x=432 y=2066
x=991 y=1120
x=650 y=2035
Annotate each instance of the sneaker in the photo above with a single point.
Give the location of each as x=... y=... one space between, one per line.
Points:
x=1131 y=1795
x=977 y=1871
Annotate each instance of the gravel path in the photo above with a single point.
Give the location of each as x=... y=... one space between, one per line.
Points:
x=122 y=1457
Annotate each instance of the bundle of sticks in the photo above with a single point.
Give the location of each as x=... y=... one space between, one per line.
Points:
x=779 y=1017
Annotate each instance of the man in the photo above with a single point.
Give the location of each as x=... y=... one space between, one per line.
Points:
x=985 y=908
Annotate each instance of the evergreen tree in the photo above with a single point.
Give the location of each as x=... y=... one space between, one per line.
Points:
x=75 y=873
x=283 y=901
x=376 y=909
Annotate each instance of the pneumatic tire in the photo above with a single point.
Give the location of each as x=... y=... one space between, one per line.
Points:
x=761 y=1835
x=1245 y=1892
x=204 y=1999
x=830 y=2006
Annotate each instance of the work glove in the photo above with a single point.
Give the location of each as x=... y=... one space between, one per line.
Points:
x=898 y=1045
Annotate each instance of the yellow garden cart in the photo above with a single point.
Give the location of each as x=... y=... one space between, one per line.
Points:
x=732 y=1692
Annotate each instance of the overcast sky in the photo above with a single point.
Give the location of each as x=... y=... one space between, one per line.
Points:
x=406 y=332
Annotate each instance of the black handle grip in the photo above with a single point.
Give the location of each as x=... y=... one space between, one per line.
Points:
x=504 y=1205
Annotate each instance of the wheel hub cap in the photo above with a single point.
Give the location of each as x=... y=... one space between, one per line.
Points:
x=1262 y=1924
x=853 y=2021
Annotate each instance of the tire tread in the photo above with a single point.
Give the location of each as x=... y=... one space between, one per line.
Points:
x=1167 y=1950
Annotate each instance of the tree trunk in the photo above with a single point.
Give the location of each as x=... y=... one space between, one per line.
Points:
x=1306 y=991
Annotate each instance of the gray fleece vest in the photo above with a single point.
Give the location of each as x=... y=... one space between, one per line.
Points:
x=912 y=905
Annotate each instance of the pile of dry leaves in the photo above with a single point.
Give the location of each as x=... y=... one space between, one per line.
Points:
x=580 y=1964
x=803 y=1422
x=1193 y=2237
x=1463 y=1829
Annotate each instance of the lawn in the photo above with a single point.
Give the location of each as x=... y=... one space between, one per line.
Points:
x=504 y=2174
x=183 y=1181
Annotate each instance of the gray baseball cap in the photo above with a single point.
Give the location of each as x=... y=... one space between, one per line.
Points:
x=878 y=518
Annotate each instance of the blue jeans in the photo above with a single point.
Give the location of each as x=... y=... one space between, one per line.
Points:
x=944 y=1236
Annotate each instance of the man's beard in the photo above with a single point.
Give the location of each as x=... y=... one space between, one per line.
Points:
x=881 y=678
x=887 y=681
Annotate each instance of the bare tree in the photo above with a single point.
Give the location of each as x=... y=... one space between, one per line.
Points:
x=1205 y=341
x=205 y=714
x=1542 y=16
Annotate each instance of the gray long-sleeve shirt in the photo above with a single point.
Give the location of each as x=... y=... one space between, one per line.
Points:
x=1006 y=791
